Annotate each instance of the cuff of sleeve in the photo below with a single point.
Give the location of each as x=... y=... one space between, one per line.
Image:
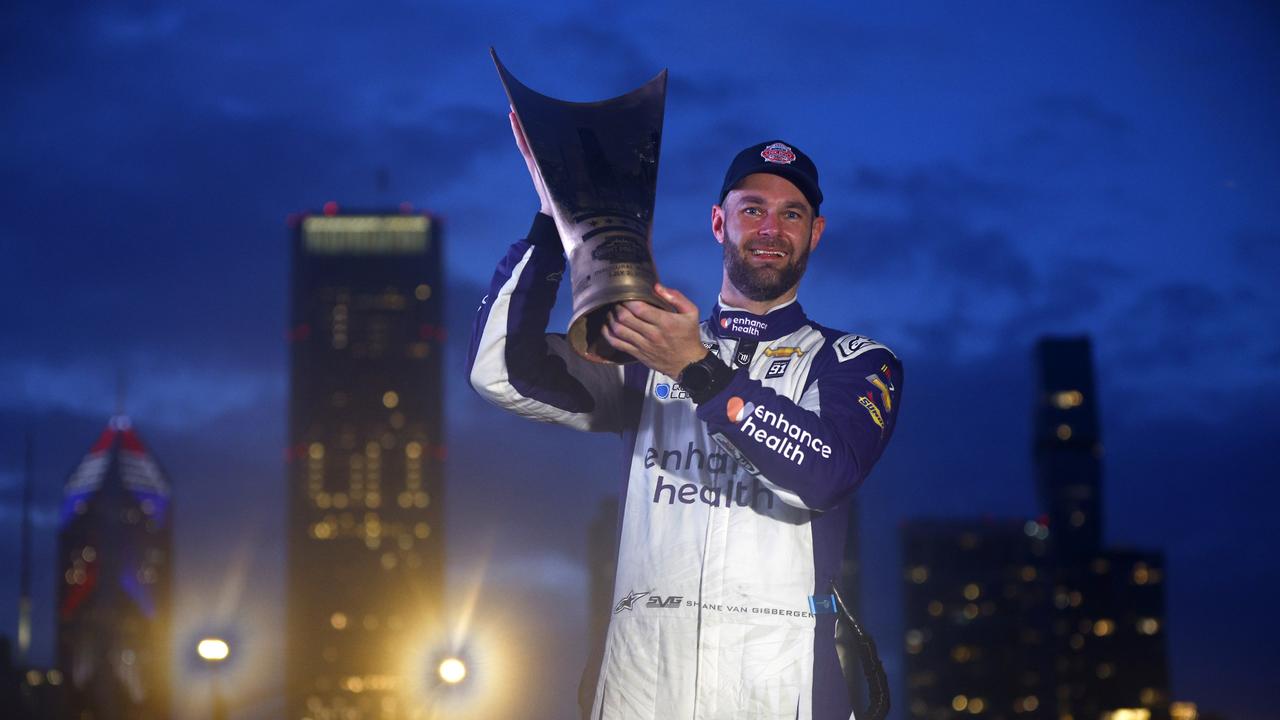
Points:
x=543 y=233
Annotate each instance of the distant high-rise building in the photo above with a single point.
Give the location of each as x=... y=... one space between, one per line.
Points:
x=1037 y=618
x=977 y=601
x=365 y=551
x=1068 y=445
x=114 y=553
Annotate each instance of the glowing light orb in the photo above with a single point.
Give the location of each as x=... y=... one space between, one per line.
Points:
x=213 y=649
x=452 y=671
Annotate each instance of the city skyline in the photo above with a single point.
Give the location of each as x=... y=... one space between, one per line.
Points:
x=992 y=174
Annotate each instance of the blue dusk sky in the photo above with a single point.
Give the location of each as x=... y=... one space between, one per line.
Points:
x=993 y=173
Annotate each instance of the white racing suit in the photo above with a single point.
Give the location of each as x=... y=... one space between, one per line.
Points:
x=734 y=512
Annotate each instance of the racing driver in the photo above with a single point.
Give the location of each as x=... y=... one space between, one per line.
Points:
x=746 y=434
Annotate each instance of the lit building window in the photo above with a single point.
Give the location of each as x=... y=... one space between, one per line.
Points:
x=1103 y=627
x=1181 y=711
x=1028 y=573
x=919 y=574
x=972 y=591
x=1068 y=399
x=977 y=705
x=915 y=642
x=413 y=450
x=1077 y=641
x=1128 y=714
x=338 y=620
x=1029 y=703
x=1064 y=432
x=421 y=530
x=1105 y=670
x=422 y=292
x=1141 y=574
x=1148 y=626
x=935 y=608
x=959 y=703
x=962 y=653
x=970 y=611
x=316 y=451
x=390 y=399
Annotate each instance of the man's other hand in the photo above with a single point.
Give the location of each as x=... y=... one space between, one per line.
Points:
x=664 y=341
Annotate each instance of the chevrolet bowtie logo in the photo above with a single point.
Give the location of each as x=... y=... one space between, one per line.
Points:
x=783 y=352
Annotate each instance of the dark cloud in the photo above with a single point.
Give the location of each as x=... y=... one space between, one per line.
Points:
x=944 y=186
x=1181 y=324
x=1084 y=110
x=1257 y=251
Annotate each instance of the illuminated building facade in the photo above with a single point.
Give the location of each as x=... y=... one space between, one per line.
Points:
x=114 y=553
x=366 y=558
x=977 y=613
x=1071 y=629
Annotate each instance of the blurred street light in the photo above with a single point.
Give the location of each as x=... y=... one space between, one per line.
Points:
x=213 y=650
x=452 y=670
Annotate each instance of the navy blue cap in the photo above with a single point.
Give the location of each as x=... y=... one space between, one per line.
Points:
x=776 y=158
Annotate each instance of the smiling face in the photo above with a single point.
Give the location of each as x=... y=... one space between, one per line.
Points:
x=767 y=229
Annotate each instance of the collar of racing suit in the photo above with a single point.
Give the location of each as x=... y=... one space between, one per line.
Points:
x=731 y=322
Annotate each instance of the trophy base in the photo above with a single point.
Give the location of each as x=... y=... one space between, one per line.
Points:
x=587 y=340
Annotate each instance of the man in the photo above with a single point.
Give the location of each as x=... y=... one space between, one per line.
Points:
x=746 y=436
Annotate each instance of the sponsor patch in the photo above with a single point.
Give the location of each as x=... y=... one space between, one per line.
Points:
x=737 y=409
x=743 y=325
x=885 y=387
x=628 y=601
x=851 y=346
x=774 y=431
x=822 y=604
x=670 y=391
x=778 y=368
x=778 y=153
x=874 y=411
x=659 y=602
x=742 y=460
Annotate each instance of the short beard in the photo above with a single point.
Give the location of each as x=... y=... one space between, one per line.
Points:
x=762 y=284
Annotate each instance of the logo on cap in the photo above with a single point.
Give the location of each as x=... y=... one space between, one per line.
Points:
x=778 y=153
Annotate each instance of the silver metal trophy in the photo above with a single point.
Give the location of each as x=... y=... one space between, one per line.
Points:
x=599 y=162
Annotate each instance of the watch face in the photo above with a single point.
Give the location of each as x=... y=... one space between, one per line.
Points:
x=695 y=377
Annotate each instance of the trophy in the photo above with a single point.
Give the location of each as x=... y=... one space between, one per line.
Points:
x=599 y=162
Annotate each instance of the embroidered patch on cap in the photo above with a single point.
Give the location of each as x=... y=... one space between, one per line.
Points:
x=778 y=153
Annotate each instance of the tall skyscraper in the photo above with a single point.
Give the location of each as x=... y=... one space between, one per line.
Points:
x=1108 y=635
x=114 y=551
x=1068 y=445
x=1038 y=618
x=366 y=556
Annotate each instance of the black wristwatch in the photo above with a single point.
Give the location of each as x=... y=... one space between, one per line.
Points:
x=704 y=378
